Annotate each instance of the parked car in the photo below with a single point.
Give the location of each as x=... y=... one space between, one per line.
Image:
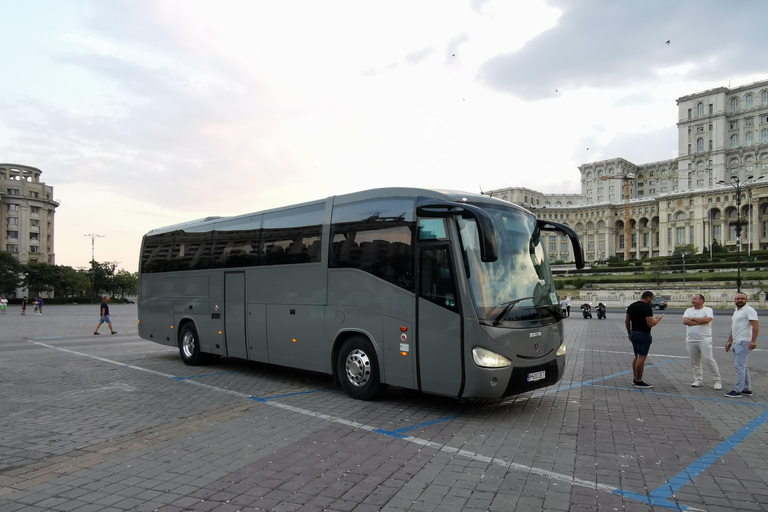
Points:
x=659 y=303
x=130 y=301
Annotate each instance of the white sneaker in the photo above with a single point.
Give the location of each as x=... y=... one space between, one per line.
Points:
x=697 y=384
x=718 y=385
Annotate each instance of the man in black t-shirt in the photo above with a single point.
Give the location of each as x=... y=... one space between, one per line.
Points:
x=104 y=317
x=638 y=321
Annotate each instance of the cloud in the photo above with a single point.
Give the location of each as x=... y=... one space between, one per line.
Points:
x=597 y=44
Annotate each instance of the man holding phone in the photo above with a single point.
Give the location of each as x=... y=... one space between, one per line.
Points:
x=639 y=320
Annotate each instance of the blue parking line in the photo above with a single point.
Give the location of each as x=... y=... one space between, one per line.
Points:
x=599 y=379
x=267 y=399
x=398 y=433
x=49 y=338
x=661 y=495
x=201 y=376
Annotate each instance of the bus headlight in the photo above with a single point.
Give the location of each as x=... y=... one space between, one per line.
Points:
x=561 y=350
x=488 y=359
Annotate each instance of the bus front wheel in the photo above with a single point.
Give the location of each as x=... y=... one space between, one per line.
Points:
x=189 y=345
x=358 y=369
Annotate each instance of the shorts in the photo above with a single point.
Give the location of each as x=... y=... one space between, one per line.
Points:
x=106 y=319
x=641 y=342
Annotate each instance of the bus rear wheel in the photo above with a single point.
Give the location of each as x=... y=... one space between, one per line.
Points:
x=189 y=346
x=358 y=369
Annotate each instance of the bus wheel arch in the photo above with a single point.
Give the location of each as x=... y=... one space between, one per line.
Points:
x=356 y=366
x=189 y=344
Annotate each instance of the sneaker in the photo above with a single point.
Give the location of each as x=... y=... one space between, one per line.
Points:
x=642 y=385
x=746 y=392
x=719 y=386
x=114 y=332
x=697 y=384
x=733 y=394
x=96 y=333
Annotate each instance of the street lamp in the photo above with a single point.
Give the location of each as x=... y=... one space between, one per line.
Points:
x=683 y=268
x=738 y=185
x=93 y=259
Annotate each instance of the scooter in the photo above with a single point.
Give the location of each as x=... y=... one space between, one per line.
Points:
x=601 y=311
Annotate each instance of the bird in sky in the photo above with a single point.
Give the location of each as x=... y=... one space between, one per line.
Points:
x=667 y=41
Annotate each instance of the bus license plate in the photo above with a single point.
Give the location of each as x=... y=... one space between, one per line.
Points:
x=536 y=376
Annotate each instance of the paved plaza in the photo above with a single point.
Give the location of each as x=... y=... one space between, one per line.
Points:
x=116 y=423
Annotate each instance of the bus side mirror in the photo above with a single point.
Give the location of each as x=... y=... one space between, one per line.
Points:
x=489 y=251
x=578 y=251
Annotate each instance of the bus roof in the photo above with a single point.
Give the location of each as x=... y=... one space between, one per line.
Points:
x=391 y=192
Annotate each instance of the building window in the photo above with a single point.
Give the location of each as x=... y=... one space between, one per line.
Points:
x=34 y=236
x=680 y=235
x=734 y=104
x=13 y=221
x=765 y=97
x=12 y=234
x=699 y=145
x=700 y=109
x=764 y=135
x=734 y=141
x=14 y=191
x=717 y=232
x=690 y=113
x=749 y=138
x=750 y=121
x=750 y=101
x=711 y=111
x=733 y=125
x=34 y=209
x=12 y=247
x=13 y=207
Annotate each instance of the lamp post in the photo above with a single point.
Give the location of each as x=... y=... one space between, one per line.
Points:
x=93 y=258
x=738 y=185
x=683 y=268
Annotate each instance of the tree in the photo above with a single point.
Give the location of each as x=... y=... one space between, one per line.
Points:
x=11 y=273
x=656 y=268
x=40 y=277
x=103 y=276
x=688 y=249
x=126 y=282
x=72 y=282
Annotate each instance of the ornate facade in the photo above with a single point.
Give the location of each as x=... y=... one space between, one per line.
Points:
x=723 y=148
x=27 y=213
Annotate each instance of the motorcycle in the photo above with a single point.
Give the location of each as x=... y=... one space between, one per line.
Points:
x=601 y=311
x=586 y=310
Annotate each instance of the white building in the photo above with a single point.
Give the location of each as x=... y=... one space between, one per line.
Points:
x=27 y=213
x=722 y=136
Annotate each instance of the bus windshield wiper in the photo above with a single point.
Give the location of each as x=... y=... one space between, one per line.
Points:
x=507 y=306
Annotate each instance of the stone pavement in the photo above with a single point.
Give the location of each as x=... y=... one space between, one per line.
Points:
x=117 y=423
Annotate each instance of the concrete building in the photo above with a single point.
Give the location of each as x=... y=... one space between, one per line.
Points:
x=722 y=137
x=27 y=212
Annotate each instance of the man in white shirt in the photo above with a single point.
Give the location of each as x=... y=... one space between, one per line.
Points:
x=568 y=305
x=743 y=338
x=698 y=337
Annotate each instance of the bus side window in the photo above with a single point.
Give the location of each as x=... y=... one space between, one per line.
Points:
x=437 y=284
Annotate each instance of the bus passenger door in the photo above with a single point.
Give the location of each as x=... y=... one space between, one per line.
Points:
x=234 y=314
x=439 y=338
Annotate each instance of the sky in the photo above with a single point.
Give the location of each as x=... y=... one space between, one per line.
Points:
x=146 y=113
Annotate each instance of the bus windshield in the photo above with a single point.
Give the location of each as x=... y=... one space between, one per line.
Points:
x=518 y=286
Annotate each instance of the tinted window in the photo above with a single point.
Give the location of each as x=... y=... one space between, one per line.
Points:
x=436 y=276
x=375 y=237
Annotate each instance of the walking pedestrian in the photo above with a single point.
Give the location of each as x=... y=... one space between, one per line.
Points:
x=568 y=305
x=40 y=305
x=564 y=306
x=24 y=306
x=3 y=305
x=639 y=320
x=104 y=317
x=698 y=336
x=743 y=338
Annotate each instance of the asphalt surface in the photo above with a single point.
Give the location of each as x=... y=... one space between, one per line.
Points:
x=116 y=423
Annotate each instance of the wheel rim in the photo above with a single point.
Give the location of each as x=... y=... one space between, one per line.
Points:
x=188 y=344
x=358 y=368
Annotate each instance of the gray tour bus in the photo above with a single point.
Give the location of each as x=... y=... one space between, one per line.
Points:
x=444 y=292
